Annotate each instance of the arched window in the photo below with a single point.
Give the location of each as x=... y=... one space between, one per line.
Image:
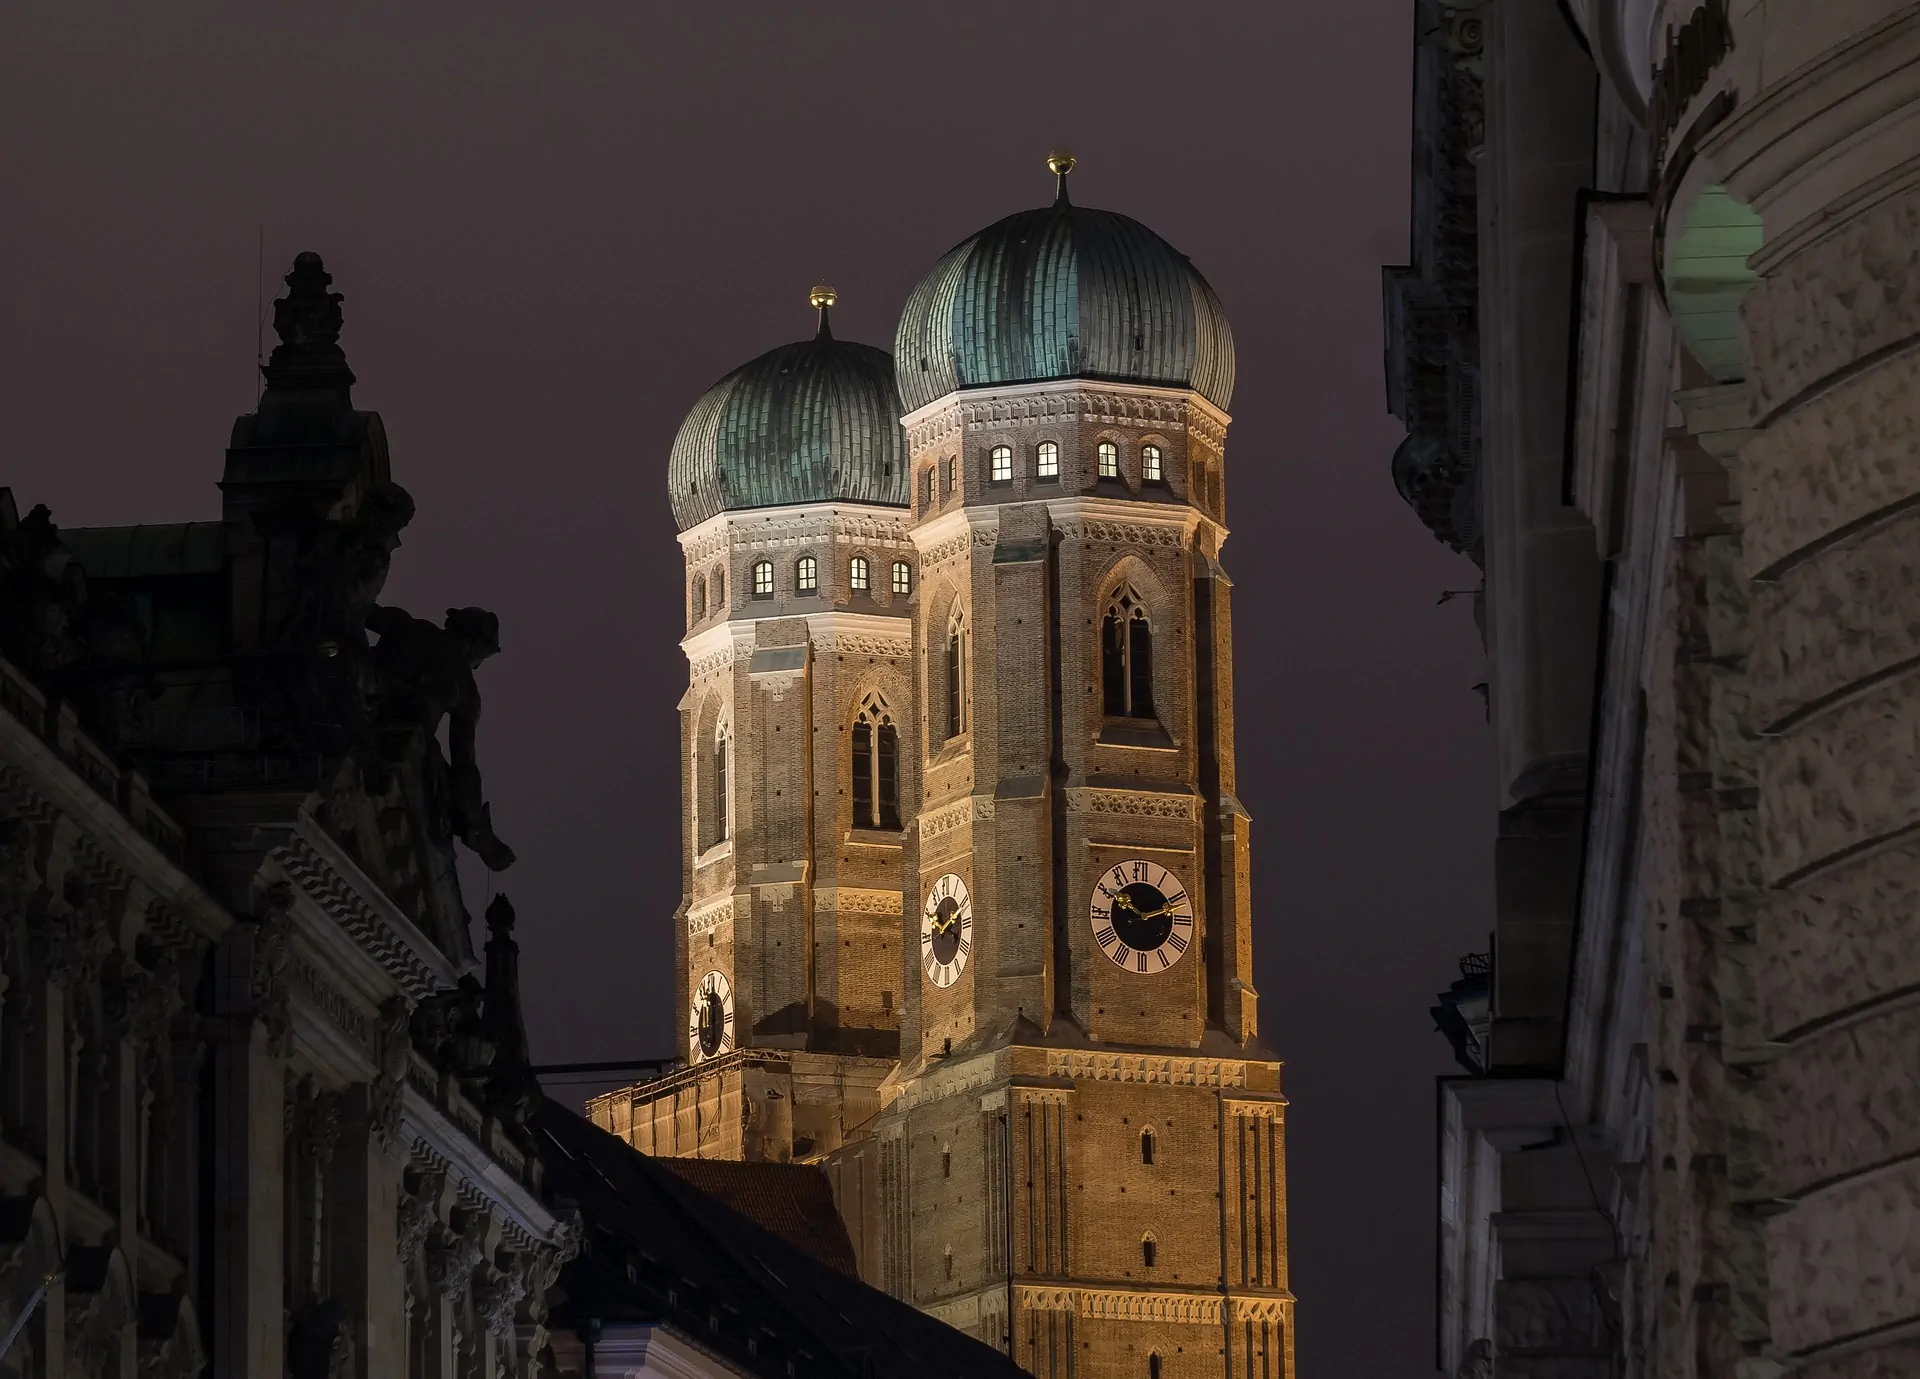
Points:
x=763 y=579
x=1046 y=460
x=946 y=1161
x=876 y=766
x=1146 y=1147
x=699 y=597
x=1152 y=464
x=1126 y=657
x=1108 y=456
x=902 y=577
x=806 y=575
x=1153 y=1364
x=951 y=480
x=926 y=489
x=719 y=588
x=1146 y=1250
x=958 y=709
x=1000 y=464
x=860 y=575
x=714 y=828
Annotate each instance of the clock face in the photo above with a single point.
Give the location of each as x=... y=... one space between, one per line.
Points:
x=710 y=1025
x=946 y=930
x=1142 y=918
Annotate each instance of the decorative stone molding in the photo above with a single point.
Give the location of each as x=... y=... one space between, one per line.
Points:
x=1120 y=1305
x=1135 y=804
x=705 y=918
x=1161 y=409
x=1165 y=536
x=1171 y=1071
x=951 y=816
x=1246 y=1309
x=958 y=545
x=268 y=986
x=388 y=1091
x=709 y=663
x=419 y=1208
x=454 y=1252
x=855 y=644
x=950 y=1081
x=371 y=930
x=850 y=900
x=341 y=1011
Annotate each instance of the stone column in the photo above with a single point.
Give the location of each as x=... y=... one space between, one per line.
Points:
x=367 y=1275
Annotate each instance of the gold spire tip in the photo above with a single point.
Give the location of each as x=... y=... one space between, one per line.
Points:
x=822 y=297
x=1060 y=162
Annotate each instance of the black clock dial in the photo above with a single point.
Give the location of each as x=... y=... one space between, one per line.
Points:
x=1142 y=917
x=946 y=929
x=713 y=1022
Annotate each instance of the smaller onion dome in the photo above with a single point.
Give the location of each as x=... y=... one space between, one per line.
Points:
x=1063 y=292
x=812 y=422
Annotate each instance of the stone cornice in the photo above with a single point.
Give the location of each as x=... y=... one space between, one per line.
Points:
x=360 y=908
x=436 y=1139
x=1135 y=804
x=952 y=533
x=1173 y=1070
x=854 y=900
x=1086 y=399
x=862 y=520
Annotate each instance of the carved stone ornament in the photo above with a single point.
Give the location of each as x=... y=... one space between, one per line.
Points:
x=270 y=987
x=388 y=1093
x=456 y=1253
x=419 y=1204
x=497 y=1291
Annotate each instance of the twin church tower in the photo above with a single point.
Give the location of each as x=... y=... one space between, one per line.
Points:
x=966 y=914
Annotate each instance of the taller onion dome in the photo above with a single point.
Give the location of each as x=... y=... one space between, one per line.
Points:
x=811 y=422
x=1063 y=292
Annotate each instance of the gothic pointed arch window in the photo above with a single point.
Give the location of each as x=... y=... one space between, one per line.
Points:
x=719 y=588
x=699 y=597
x=722 y=783
x=959 y=707
x=1126 y=656
x=876 y=766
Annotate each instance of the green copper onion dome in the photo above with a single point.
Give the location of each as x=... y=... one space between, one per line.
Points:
x=811 y=422
x=1063 y=292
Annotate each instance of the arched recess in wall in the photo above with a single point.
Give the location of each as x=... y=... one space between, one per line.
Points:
x=1130 y=578
x=1710 y=236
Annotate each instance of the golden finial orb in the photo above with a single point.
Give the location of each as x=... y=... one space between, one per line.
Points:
x=1060 y=162
x=822 y=297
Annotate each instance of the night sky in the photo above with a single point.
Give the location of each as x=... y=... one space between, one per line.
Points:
x=556 y=224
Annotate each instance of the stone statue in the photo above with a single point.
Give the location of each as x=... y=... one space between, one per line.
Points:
x=426 y=674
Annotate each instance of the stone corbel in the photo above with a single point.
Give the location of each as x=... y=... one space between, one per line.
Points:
x=455 y=1251
x=419 y=1209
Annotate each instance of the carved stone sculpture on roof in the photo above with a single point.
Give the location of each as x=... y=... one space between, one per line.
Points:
x=426 y=675
x=512 y=1092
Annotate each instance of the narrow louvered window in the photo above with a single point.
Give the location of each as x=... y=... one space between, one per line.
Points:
x=1126 y=658
x=863 y=774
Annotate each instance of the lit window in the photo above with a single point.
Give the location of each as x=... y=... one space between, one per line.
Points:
x=1047 y=461
x=858 y=575
x=1001 y=464
x=1126 y=657
x=1109 y=456
x=1150 y=464
x=763 y=579
x=902 y=577
x=806 y=575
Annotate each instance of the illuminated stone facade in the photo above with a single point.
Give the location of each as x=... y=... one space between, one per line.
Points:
x=1687 y=1140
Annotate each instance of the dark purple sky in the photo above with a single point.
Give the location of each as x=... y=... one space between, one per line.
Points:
x=556 y=224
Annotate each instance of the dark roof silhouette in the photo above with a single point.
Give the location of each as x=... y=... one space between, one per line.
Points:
x=794 y=1201
x=657 y=1250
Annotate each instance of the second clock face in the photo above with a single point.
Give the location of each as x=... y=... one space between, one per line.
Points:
x=710 y=1025
x=1142 y=918
x=946 y=930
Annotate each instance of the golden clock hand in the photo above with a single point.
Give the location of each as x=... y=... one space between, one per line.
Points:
x=1124 y=899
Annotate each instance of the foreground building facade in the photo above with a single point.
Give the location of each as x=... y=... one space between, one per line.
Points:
x=1656 y=358
x=966 y=911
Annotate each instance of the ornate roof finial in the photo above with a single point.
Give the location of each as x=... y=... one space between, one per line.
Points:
x=822 y=299
x=307 y=320
x=1060 y=162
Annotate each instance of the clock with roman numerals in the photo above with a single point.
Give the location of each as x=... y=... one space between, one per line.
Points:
x=1142 y=917
x=946 y=930
x=710 y=1030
